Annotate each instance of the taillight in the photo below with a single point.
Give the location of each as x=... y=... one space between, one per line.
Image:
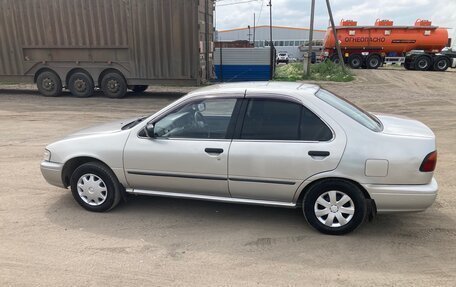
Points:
x=429 y=162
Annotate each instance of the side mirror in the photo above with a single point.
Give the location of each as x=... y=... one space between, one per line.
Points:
x=150 y=130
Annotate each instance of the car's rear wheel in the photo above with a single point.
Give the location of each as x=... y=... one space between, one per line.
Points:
x=335 y=207
x=95 y=187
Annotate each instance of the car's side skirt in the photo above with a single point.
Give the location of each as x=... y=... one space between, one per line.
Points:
x=211 y=198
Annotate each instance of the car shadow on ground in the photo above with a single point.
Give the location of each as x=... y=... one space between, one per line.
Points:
x=160 y=211
x=145 y=216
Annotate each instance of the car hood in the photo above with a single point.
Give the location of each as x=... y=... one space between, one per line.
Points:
x=400 y=125
x=106 y=128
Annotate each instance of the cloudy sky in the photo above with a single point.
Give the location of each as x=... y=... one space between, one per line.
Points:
x=296 y=12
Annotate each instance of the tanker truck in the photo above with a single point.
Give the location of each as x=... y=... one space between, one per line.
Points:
x=418 y=47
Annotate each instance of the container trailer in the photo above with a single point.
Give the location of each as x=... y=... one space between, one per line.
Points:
x=113 y=45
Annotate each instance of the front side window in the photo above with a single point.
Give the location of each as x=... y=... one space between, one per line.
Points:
x=267 y=119
x=350 y=110
x=204 y=119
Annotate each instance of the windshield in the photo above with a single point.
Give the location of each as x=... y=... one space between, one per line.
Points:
x=359 y=115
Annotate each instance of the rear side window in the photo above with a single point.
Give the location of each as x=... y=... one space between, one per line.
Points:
x=350 y=110
x=313 y=128
x=282 y=120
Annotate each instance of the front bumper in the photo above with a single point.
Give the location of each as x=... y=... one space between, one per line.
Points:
x=402 y=198
x=52 y=172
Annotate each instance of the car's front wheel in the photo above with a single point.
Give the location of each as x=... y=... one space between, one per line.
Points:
x=335 y=207
x=95 y=187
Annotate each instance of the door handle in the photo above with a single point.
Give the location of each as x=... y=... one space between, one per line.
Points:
x=214 y=150
x=319 y=153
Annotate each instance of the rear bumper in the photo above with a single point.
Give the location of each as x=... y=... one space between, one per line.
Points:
x=52 y=173
x=402 y=198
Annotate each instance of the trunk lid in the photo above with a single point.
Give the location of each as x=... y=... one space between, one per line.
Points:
x=403 y=126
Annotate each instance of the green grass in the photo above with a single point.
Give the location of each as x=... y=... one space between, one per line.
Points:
x=7 y=83
x=326 y=71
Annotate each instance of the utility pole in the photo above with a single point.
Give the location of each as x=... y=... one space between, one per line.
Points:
x=339 y=52
x=254 y=28
x=271 y=45
x=249 y=34
x=309 y=52
x=206 y=54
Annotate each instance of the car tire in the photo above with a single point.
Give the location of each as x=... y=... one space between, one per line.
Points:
x=355 y=61
x=49 y=84
x=335 y=207
x=81 y=85
x=95 y=187
x=139 y=88
x=423 y=63
x=114 y=85
x=373 y=61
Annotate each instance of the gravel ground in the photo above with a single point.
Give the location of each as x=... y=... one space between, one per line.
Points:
x=48 y=240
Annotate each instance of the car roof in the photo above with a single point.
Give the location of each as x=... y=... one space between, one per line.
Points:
x=259 y=87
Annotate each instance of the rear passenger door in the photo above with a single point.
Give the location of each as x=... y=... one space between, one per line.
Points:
x=278 y=143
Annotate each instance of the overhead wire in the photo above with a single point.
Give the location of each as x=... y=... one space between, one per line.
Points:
x=235 y=3
x=259 y=15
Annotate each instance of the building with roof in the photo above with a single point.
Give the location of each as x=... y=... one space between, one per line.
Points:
x=292 y=40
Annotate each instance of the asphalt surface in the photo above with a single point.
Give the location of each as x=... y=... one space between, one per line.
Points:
x=46 y=239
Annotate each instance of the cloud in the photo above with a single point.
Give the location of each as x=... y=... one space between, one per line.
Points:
x=296 y=12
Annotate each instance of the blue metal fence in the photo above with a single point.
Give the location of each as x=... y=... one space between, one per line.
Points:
x=242 y=64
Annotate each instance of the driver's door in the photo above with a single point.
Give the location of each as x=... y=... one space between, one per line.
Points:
x=189 y=150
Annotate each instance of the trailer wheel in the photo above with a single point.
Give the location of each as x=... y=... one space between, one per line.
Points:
x=441 y=64
x=423 y=63
x=373 y=62
x=139 y=88
x=49 y=84
x=81 y=85
x=355 y=61
x=114 y=85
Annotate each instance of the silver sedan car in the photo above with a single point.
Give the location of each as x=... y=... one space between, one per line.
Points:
x=268 y=143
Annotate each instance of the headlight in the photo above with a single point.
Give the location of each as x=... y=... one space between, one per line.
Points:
x=47 y=155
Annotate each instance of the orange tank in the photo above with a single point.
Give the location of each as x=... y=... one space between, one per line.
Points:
x=385 y=38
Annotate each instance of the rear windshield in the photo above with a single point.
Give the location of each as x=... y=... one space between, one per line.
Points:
x=359 y=115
